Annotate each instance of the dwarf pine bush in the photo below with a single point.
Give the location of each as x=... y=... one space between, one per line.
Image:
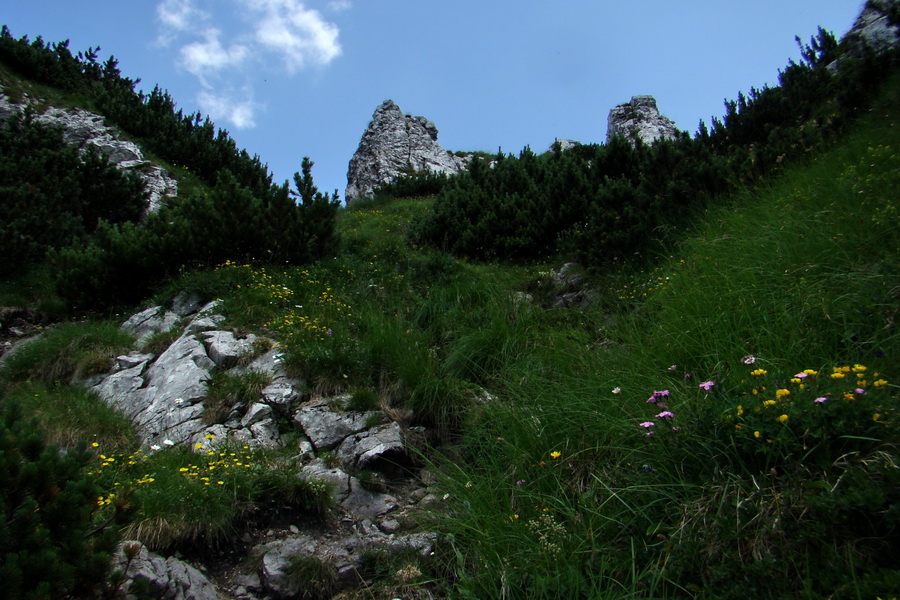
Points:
x=52 y=543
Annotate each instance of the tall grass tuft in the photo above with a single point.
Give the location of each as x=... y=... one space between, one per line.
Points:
x=66 y=354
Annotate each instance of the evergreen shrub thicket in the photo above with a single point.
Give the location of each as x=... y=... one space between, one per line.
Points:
x=52 y=194
x=123 y=263
x=607 y=203
x=190 y=140
x=101 y=255
x=50 y=544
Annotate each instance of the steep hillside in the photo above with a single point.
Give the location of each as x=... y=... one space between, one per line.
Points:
x=715 y=419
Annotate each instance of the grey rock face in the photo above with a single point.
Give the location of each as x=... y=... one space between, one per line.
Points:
x=82 y=128
x=343 y=552
x=365 y=449
x=165 y=400
x=167 y=578
x=872 y=29
x=148 y=322
x=640 y=120
x=224 y=349
x=326 y=428
x=393 y=144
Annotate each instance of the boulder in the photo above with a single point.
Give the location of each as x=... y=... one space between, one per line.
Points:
x=148 y=322
x=366 y=504
x=225 y=349
x=166 y=578
x=327 y=428
x=394 y=144
x=337 y=480
x=344 y=552
x=639 y=119
x=256 y=413
x=563 y=145
x=379 y=448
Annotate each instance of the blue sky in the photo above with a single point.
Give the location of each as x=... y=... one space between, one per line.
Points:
x=292 y=78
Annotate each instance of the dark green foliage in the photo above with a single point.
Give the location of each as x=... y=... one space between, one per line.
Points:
x=620 y=201
x=188 y=140
x=49 y=547
x=52 y=194
x=409 y=185
x=123 y=263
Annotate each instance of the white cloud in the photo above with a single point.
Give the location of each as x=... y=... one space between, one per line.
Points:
x=238 y=112
x=339 y=5
x=209 y=57
x=301 y=36
x=177 y=16
x=219 y=50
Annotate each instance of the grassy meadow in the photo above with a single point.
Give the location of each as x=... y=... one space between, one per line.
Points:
x=720 y=424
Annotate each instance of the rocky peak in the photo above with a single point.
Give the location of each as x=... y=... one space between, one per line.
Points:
x=393 y=144
x=639 y=119
x=873 y=30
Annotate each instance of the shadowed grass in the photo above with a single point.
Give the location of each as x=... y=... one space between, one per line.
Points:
x=68 y=353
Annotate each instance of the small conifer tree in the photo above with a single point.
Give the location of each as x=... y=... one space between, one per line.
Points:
x=50 y=546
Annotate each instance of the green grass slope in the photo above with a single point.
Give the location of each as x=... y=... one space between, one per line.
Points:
x=722 y=426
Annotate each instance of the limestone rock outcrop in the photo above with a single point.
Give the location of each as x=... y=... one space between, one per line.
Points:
x=360 y=456
x=86 y=129
x=395 y=143
x=639 y=119
x=164 y=578
x=873 y=29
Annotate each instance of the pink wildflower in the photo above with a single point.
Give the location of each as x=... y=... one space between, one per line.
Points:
x=706 y=385
x=666 y=414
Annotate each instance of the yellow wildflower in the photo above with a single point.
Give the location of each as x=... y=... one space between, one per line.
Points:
x=555 y=454
x=783 y=419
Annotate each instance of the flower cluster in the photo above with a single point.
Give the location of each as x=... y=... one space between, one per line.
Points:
x=658 y=400
x=644 y=284
x=822 y=406
x=218 y=467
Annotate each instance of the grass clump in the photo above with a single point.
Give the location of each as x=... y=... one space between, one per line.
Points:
x=68 y=353
x=70 y=415
x=160 y=341
x=227 y=391
x=181 y=497
x=311 y=578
